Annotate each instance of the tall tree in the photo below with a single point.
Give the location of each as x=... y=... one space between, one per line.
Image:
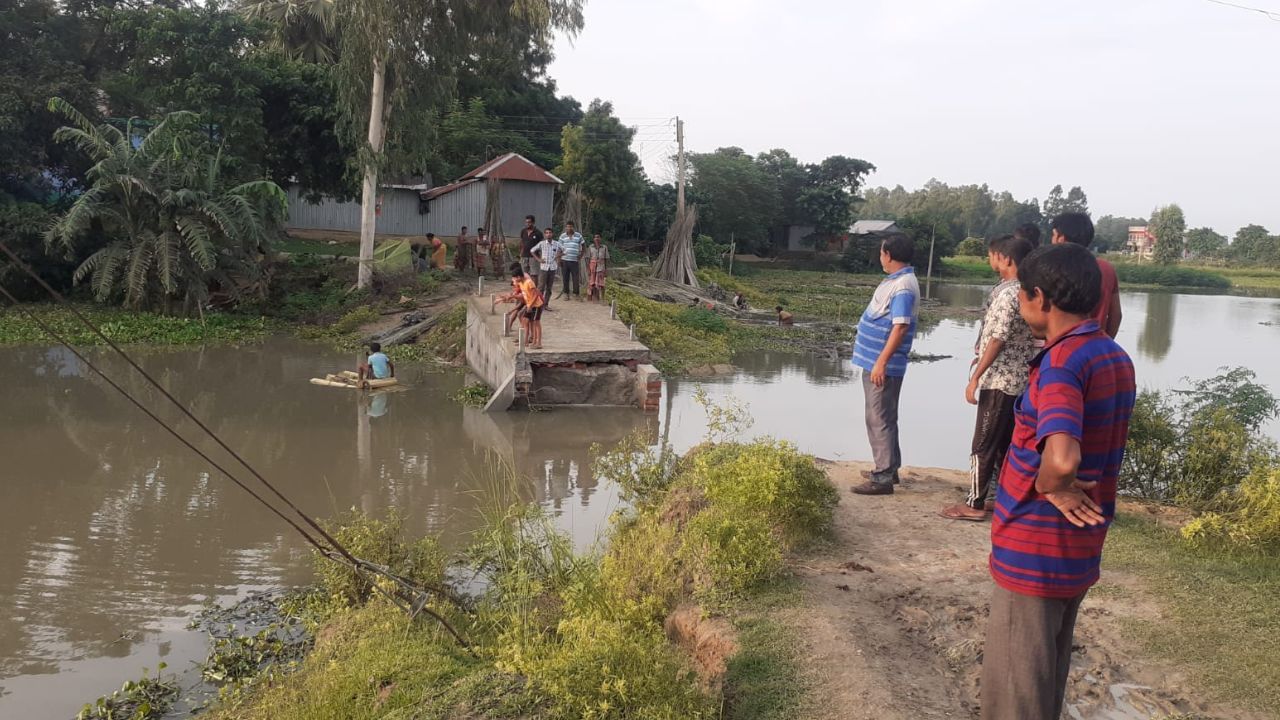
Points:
x=1057 y=203
x=1254 y=245
x=1204 y=243
x=469 y=137
x=1169 y=228
x=599 y=161
x=738 y=198
x=397 y=58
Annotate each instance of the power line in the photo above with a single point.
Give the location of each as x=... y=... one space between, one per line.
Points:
x=1271 y=15
x=412 y=597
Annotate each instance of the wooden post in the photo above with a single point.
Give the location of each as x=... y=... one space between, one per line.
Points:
x=733 y=250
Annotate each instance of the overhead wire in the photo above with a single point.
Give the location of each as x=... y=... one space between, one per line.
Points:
x=415 y=595
x=1271 y=15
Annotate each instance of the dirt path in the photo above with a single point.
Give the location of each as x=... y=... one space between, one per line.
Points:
x=895 y=611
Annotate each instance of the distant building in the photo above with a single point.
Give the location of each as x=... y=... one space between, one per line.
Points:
x=399 y=210
x=416 y=208
x=1141 y=242
x=801 y=238
x=526 y=189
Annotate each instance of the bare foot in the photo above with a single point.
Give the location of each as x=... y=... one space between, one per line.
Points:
x=962 y=512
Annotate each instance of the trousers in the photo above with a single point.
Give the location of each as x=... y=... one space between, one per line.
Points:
x=991 y=435
x=570 y=272
x=881 y=414
x=1027 y=656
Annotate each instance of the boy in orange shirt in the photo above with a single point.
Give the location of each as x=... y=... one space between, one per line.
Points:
x=531 y=316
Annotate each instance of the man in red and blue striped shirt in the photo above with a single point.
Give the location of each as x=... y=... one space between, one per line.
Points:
x=1057 y=493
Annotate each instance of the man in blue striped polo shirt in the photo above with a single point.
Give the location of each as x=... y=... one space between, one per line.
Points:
x=571 y=241
x=881 y=350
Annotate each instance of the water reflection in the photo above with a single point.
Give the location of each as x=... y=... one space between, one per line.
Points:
x=1157 y=327
x=115 y=533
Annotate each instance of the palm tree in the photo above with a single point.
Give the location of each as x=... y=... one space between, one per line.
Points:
x=172 y=227
x=304 y=29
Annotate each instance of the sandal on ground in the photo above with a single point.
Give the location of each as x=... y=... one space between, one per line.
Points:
x=961 y=512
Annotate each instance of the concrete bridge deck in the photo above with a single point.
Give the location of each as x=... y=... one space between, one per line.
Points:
x=587 y=357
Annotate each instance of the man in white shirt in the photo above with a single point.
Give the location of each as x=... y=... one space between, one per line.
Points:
x=549 y=252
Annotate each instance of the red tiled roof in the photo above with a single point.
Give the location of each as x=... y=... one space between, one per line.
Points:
x=513 y=166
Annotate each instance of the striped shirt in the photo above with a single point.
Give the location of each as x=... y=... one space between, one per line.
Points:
x=1081 y=384
x=572 y=246
x=895 y=302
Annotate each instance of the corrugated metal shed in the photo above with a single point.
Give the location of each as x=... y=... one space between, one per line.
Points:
x=400 y=212
x=412 y=209
x=867 y=227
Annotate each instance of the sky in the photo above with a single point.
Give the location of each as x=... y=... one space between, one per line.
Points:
x=1142 y=103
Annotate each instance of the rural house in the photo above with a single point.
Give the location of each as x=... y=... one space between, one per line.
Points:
x=802 y=238
x=416 y=208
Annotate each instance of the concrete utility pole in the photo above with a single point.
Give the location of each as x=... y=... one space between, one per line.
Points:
x=928 y=276
x=680 y=165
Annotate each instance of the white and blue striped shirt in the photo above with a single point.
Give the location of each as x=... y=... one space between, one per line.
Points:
x=895 y=302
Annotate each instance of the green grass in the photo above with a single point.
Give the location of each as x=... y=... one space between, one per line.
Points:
x=808 y=294
x=128 y=326
x=763 y=680
x=964 y=267
x=1222 y=611
x=301 y=246
x=372 y=662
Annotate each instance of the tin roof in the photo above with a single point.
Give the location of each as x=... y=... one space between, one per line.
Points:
x=513 y=166
x=867 y=227
x=436 y=192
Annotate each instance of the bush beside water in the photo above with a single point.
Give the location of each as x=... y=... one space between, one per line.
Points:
x=1173 y=276
x=557 y=634
x=1203 y=449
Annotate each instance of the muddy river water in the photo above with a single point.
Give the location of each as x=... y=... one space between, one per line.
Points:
x=113 y=534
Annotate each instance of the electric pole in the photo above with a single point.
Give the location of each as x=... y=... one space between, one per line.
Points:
x=680 y=166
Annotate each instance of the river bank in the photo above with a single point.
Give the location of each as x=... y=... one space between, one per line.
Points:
x=877 y=611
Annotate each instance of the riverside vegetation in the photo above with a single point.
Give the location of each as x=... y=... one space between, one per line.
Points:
x=698 y=555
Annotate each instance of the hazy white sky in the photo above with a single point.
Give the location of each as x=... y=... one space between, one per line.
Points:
x=1140 y=102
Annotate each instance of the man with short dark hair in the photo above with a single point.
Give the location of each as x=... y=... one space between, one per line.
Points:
x=529 y=239
x=1077 y=228
x=997 y=376
x=881 y=349
x=1057 y=490
x=549 y=254
x=1029 y=232
x=572 y=243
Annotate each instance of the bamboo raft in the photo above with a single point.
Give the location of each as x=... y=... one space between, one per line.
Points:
x=351 y=380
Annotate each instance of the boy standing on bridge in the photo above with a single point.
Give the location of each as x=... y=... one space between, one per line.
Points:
x=531 y=315
x=997 y=377
x=1057 y=493
x=881 y=350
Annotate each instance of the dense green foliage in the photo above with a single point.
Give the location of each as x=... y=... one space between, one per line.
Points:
x=1206 y=244
x=1202 y=448
x=174 y=228
x=599 y=162
x=1173 y=276
x=753 y=200
x=1169 y=228
x=128 y=327
x=957 y=211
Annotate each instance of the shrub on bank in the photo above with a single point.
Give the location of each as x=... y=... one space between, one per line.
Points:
x=554 y=633
x=1203 y=449
x=1173 y=276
